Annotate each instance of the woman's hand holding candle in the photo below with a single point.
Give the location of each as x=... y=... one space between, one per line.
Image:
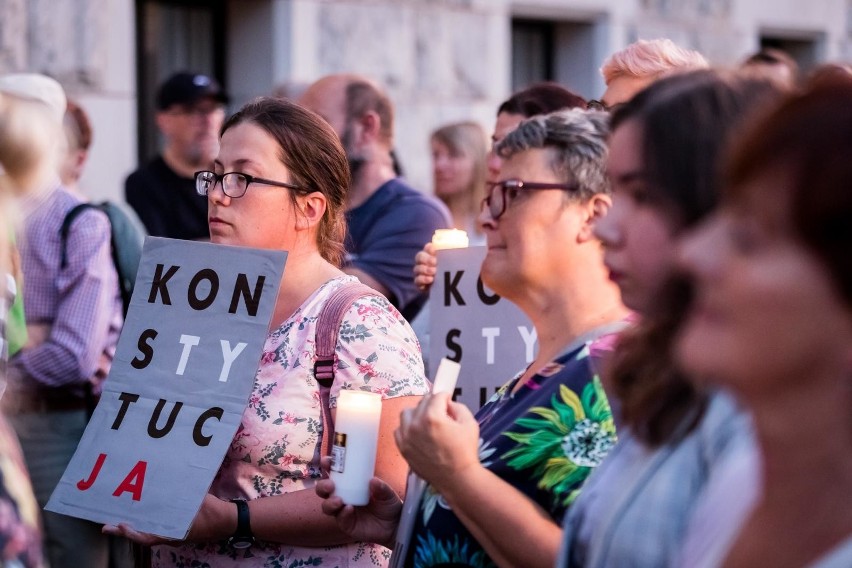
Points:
x=425 y=261
x=374 y=522
x=439 y=439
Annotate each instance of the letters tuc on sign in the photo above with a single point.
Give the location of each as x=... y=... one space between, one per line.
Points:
x=181 y=378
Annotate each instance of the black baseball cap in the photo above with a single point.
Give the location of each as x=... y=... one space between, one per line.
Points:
x=187 y=88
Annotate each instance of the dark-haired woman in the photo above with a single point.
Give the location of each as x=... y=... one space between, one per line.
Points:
x=279 y=182
x=663 y=149
x=772 y=321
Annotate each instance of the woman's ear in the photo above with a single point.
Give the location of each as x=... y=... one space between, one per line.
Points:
x=310 y=209
x=596 y=208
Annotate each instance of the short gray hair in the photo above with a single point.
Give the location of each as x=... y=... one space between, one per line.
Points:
x=577 y=140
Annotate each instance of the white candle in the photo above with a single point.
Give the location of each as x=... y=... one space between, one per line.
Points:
x=356 y=436
x=449 y=239
x=446 y=377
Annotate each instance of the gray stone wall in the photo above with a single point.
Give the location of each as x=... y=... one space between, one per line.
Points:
x=436 y=58
x=65 y=39
x=420 y=46
x=705 y=25
x=14 y=48
x=847 y=44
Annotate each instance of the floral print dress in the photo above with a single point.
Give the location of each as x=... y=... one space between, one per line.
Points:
x=544 y=439
x=273 y=452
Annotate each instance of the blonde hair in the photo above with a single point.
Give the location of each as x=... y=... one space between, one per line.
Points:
x=31 y=138
x=651 y=59
x=469 y=139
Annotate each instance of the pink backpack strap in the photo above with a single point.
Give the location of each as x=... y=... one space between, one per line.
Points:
x=328 y=326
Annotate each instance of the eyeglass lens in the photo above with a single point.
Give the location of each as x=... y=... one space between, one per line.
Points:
x=234 y=184
x=495 y=200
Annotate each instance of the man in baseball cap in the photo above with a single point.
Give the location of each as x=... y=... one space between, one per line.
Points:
x=187 y=89
x=190 y=112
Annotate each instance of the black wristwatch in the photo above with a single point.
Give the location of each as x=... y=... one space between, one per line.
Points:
x=242 y=537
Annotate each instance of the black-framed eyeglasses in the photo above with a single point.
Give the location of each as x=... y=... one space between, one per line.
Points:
x=498 y=201
x=235 y=184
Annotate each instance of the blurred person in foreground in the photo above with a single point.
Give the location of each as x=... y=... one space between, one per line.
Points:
x=633 y=510
x=73 y=315
x=21 y=139
x=280 y=182
x=772 y=321
x=500 y=481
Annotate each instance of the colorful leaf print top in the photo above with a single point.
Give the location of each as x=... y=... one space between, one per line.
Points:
x=544 y=440
x=272 y=452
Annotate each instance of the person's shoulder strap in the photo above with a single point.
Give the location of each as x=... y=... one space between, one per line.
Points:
x=126 y=239
x=66 y=228
x=328 y=326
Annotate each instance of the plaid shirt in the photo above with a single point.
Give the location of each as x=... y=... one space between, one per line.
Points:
x=79 y=307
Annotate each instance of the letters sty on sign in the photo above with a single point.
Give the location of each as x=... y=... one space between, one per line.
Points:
x=488 y=335
x=182 y=375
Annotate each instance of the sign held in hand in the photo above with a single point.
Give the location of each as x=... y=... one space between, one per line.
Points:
x=471 y=325
x=182 y=375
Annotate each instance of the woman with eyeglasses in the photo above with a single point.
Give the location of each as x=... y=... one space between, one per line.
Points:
x=499 y=482
x=279 y=182
x=540 y=98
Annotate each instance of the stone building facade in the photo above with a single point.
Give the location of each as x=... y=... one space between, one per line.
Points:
x=441 y=60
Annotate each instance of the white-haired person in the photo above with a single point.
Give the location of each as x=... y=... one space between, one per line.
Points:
x=628 y=71
x=625 y=73
x=500 y=481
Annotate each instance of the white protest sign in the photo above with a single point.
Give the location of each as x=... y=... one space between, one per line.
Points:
x=489 y=336
x=183 y=372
